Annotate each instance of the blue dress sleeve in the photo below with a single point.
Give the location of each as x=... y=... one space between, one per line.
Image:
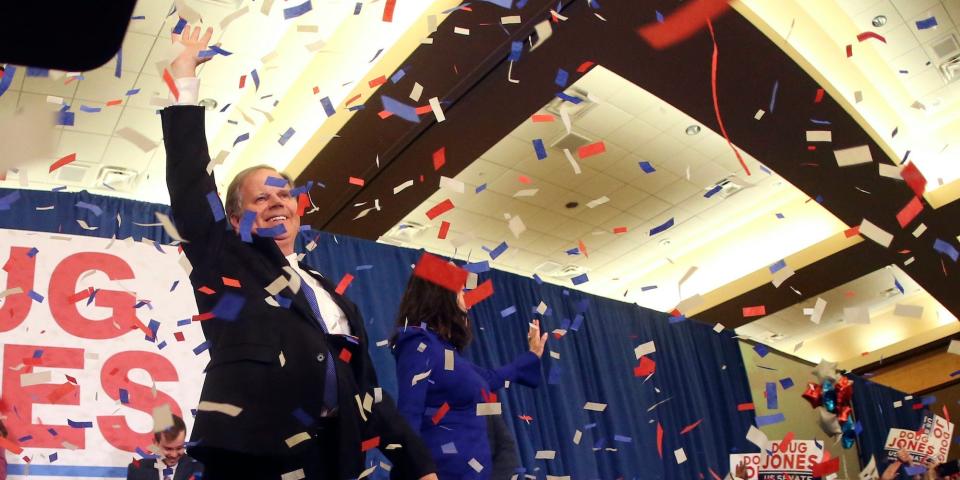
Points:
x=411 y=398
x=525 y=370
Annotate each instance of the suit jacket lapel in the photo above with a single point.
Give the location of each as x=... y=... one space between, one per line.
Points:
x=352 y=319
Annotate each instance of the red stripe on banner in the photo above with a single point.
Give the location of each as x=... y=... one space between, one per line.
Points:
x=440 y=209
x=682 y=23
x=444 y=228
x=716 y=103
x=441 y=412
x=344 y=283
x=63 y=161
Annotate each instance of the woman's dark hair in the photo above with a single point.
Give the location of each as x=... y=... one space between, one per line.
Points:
x=436 y=307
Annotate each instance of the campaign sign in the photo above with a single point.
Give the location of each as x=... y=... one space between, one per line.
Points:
x=795 y=461
x=932 y=440
x=95 y=335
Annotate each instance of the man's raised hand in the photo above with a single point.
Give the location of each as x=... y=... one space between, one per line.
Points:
x=185 y=65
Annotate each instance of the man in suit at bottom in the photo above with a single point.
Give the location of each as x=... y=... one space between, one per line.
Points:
x=173 y=463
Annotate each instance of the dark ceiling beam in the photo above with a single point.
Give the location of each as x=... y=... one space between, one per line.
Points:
x=485 y=107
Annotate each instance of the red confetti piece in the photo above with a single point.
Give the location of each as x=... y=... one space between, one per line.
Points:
x=744 y=407
x=584 y=66
x=827 y=467
x=914 y=179
x=619 y=230
x=423 y=110
x=168 y=79
x=303 y=201
x=201 y=317
x=206 y=290
x=243 y=80
x=369 y=444
x=852 y=231
x=178 y=336
x=786 y=441
x=524 y=179
x=355 y=181
x=540 y=118
x=757 y=311
x=660 y=439
x=231 y=282
x=441 y=412
x=647 y=367
x=376 y=82
x=909 y=212
x=316 y=90
x=63 y=161
x=344 y=283
x=479 y=294
x=114 y=102
x=76 y=297
x=682 y=23
x=868 y=35
x=384 y=114
x=440 y=209
x=819 y=96
x=849 y=50
x=946 y=413
x=582 y=248
x=713 y=474
x=435 y=270
x=439 y=158
x=591 y=149
x=812 y=148
x=71 y=379
x=716 y=102
x=388 y=10
x=345 y=355
x=444 y=228
x=353 y=99
x=690 y=427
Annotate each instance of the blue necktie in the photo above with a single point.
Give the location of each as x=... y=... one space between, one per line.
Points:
x=330 y=384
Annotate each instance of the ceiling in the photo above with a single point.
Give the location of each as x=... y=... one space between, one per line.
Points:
x=281 y=52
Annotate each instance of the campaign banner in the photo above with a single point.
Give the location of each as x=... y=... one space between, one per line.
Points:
x=795 y=461
x=95 y=336
x=931 y=441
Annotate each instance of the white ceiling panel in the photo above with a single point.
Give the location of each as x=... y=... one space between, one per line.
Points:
x=633 y=134
x=102 y=86
x=509 y=151
x=153 y=13
x=649 y=208
x=103 y=122
x=602 y=120
x=89 y=147
x=53 y=85
x=913 y=8
x=900 y=40
x=635 y=101
x=135 y=49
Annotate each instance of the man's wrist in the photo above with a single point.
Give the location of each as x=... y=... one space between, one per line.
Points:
x=181 y=70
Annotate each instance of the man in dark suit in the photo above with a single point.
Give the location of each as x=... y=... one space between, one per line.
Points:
x=173 y=462
x=290 y=388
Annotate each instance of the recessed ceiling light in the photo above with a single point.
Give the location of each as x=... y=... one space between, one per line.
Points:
x=879 y=21
x=693 y=129
x=208 y=103
x=572 y=205
x=665 y=242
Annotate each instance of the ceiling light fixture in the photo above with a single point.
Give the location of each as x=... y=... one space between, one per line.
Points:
x=572 y=205
x=879 y=21
x=208 y=103
x=692 y=130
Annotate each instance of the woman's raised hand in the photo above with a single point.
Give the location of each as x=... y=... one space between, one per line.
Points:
x=535 y=339
x=185 y=65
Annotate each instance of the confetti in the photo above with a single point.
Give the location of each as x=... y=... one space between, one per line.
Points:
x=662 y=227
x=682 y=23
x=63 y=161
x=440 y=209
x=926 y=23
x=590 y=150
x=400 y=109
x=297 y=10
x=716 y=103
x=853 y=156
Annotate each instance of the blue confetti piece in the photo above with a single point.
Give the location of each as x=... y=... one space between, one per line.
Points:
x=569 y=98
x=174 y=286
x=303 y=417
x=928 y=400
x=220 y=51
x=773 y=96
x=772 y=400
x=577 y=323
x=138 y=17
x=647 y=167
x=203 y=347
x=659 y=16
x=228 y=306
x=357 y=8
x=398 y=75
x=582 y=305
x=536 y=278
x=896 y=284
x=53 y=457
x=477 y=267
x=677 y=319
x=297 y=10
x=580 y=279
x=660 y=228
x=713 y=191
x=216 y=208
x=9 y=199
x=38 y=353
x=589 y=426
x=25 y=438
x=278 y=182
x=945 y=248
x=178 y=28
x=820 y=122
x=66 y=118
x=132 y=91
x=92 y=296
x=780 y=216
x=954 y=374
x=764 y=420
x=516 y=48
x=153 y=326
x=926 y=23
x=86 y=109
x=506 y=312
x=256 y=79
x=119 y=65
x=501 y=3
x=911 y=470
x=480 y=188
x=185 y=321
x=33 y=252
x=286 y=136
x=273 y=231
x=622 y=439
x=573 y=251
x=241 y=138
x=124 y=396
x=74 y=424
x=778 y=266
x=330 y=111
x=7 y=78
x=599 y=443
x=246 y=226
x=496 y=252
x=162 y=345
x=38 y=72
x=35 y=296
x=89 y=206
x=225 y=107
x=761 y=350
x=400 y=109
x=786 y=383
x=648 y=287
x=539 y=149
x=561 y=78
x=356 y=108
x=364 y=267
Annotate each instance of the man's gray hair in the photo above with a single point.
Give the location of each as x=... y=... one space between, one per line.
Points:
x=234 y=202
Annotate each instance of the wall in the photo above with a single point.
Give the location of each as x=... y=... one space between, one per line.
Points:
x=801 y=419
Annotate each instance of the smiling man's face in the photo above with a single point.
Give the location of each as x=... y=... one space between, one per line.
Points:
x=272 y=205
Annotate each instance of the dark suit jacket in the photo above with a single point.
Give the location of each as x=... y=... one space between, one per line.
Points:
x=503 y=449
x=279 y=398
x=148 y=470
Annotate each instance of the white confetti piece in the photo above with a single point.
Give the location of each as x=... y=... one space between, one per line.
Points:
x=294 y=475
x=718 y=327
x=461 y=31
x=573 y=161
x=448 y=183
x=416 y=92
x=875 y=233
x=919 y=230
x=680 y=455
x=224 y=408
x=645 y=349
x=420 y=376
x=597 y=202
x=847 y=157
x=544 y=31
x=859 y=315
x=594 y=406
x=489 y=408
x=162 y=417
x=758 y=438
x=910 y=311
x=35 y=378
x=447 y=359
x=137 y=138
x=545 y=455
x=437 y=109
x=819 y=136
x=297 y=439
x=758 y=115
x=510 y=20
x=516 y=226
x=954 y=347
x=402 y=186
x=577 y=436
x=526 y=193
x=169 y=227
x=889 y=171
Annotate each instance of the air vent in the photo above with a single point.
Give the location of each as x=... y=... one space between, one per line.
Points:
x=945 y=47
x=556 y=270
x=117 y=178
x=573 y=110
x=570 y=141
x=403 y=233
x=73 y=173
x=727 y=187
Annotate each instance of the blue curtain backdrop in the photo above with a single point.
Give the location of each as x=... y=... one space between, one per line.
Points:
x=699 y=374
x=873 y=408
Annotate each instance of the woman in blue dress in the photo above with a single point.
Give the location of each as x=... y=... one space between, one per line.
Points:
x=440 y=390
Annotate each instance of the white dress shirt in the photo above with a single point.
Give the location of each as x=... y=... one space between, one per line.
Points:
x=333 y=317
